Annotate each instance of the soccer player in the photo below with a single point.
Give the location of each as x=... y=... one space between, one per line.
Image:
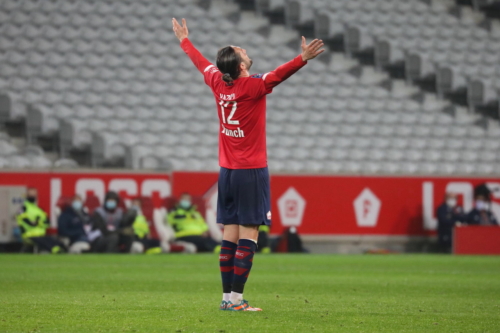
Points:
x=243 y=202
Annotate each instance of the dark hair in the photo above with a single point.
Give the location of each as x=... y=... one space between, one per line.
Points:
x=482 y=189
x=111 y=195
x=228 y=62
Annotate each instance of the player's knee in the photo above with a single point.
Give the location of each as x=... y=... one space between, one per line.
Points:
x=249 y=231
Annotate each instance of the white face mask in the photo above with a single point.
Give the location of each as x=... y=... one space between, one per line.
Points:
x=451 y=202
x=77 y=205
x=481 y=205
x=184 y=203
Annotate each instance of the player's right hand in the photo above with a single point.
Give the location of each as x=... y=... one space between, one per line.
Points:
x=181 y=31
x=311 y=50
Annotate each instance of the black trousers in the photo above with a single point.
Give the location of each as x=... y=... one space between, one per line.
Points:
x=149 y=243
x=117 y=243
x=46 y=243
x=203 y=244
x=106 y=244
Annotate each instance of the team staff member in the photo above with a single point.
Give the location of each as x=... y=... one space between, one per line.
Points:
x=481 y=213
x=33 y=222
x=71 y=224
x=190 y=226
x=106 y=221
x=136 y=226
x=448 y=215
x=141 y=233
x=243 y=193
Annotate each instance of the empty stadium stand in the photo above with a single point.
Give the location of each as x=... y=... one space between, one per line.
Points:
x=105 y=83
x=434 y=43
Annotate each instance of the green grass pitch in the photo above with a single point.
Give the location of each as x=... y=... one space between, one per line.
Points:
x=298 y=293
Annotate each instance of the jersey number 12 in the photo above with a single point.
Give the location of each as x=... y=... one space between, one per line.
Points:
x=223 y=106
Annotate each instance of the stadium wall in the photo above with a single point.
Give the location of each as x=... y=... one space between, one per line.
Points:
x=317 y=205
x=52 y=185
x=352 y=205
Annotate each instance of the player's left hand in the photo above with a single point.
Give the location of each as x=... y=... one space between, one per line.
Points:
x=311 y=50
x=181 y=31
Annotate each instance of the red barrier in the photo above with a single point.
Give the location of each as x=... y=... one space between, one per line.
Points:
x=476 y=239
x=321 y=204
x=350 y=205
x=52 y=185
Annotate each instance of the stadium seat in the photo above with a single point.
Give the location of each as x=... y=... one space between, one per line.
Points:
x=84 y=67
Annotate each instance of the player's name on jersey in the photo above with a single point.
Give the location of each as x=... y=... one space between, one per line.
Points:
x=237 y=133
x=227 y=97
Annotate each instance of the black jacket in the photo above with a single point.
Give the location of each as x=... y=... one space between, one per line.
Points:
x=474 y=217
x=447 y=217
x=106 y=221
x=70 y=224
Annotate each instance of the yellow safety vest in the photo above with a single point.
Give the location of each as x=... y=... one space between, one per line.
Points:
x=31 y=213
x=187 y=222
x=140 y=226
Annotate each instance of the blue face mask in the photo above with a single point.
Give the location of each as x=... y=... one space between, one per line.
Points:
x=77 y=205
x=111 y=204
x=185 y=203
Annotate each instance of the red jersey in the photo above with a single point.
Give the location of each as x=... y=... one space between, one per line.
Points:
x=242 y=109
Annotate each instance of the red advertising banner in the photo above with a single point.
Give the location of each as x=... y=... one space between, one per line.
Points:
x=52 y=185
x=351 y=205
x=315 y=204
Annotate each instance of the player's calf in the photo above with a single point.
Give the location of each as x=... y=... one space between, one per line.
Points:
x=226 y=263
x=242 y=265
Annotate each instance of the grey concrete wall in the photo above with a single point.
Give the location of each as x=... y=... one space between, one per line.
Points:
x=356 y=244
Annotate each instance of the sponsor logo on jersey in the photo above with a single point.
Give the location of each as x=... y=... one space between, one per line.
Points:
x=237 y=133
x=268 y=215
x=257 y=76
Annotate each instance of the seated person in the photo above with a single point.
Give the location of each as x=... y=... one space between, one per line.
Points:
x=105 y=224
x=481 y=213
x=190 y=226
x=33 y=222
x=71 y=224
x=448 y=215
x=134 y=223
x=136 y=226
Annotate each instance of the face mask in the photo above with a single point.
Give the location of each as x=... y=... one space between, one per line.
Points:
x=31 y=199
x=185 y=203
x=481 y=205
x=77 y=205
x=451 y=202
x=110 y=204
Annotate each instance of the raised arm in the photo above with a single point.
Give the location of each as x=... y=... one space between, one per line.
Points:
x=181 y=32
x=283 y=72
